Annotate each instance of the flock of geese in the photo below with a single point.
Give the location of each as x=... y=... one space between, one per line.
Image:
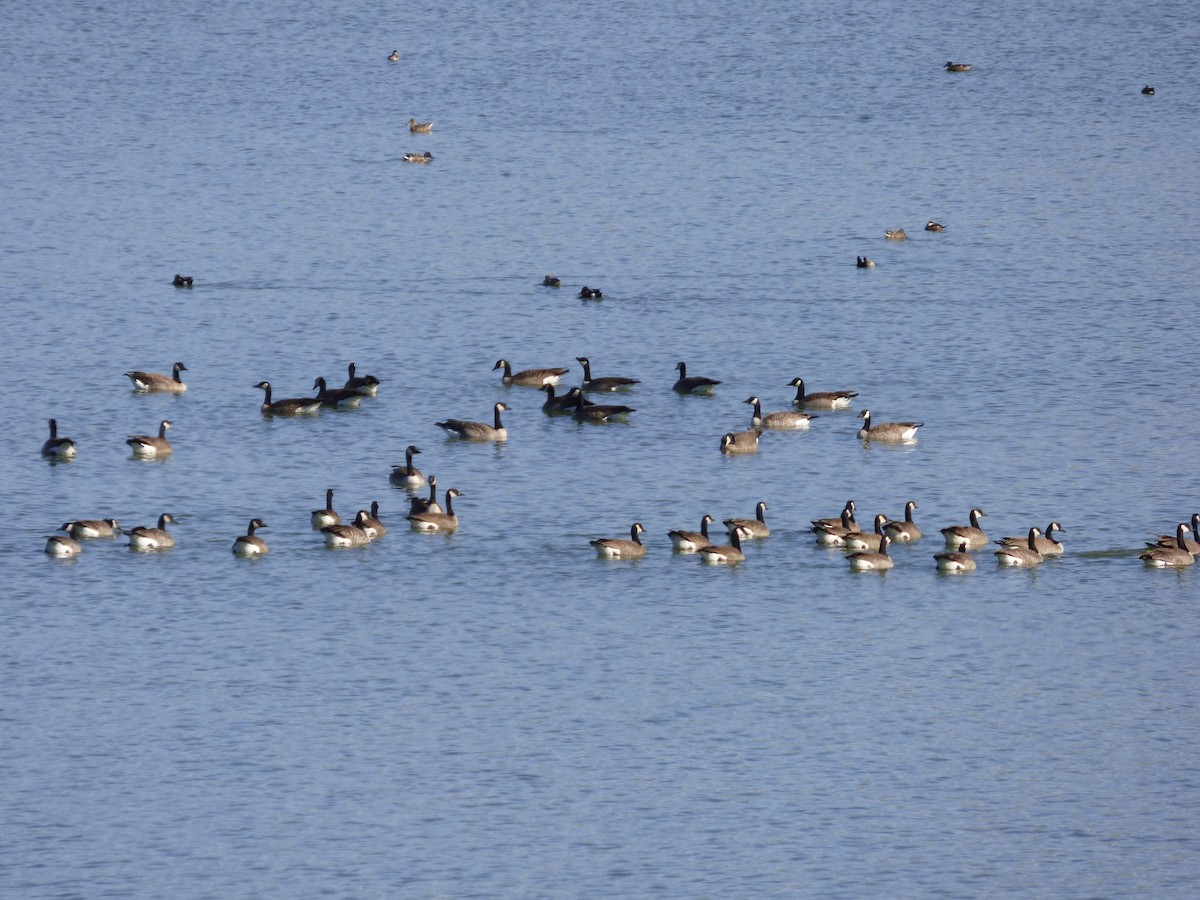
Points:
x=865 y=551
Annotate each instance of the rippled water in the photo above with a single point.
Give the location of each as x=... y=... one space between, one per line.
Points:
x=499 y=713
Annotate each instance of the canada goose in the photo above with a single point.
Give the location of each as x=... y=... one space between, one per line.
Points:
x=407 y=475
x=697 y=384
x=145 y=446
x=250 y=544
x=551 y=281
x=150 y=382
x=588 y=293
x=565 y=403
x=597 y=413
x=529 y=377
x=846 y=516
x=296 y=406
x=1189 y=544
x=477 y=431
x=1017 y=555
x=735 y=442
x=1169 y=557
x=91 y=528
x=374 y=528
x=608 y=383
x=872 y=560
x=395 y=57
x=869 y=540
x=934 y=226
x=756 y=527
x=419 y=127
x=955 y=560
x=691 y=541
x=887 y=432
x=903 y=532
x=958 y=67
x=418 y=157
x=183 y=281
x=1148 y=90
x=144 y=539
x=829 y=535
x=864 y=262
x=1045 y=543
x=821 y=399
x=619 y=548
x=337 y=398
x=62 y=546
x=726 y=554
x=438 y=521
x=56 y=447
x=788 y=419
x=342 y=536
x=418 y=505
x=364 y=384
x=898 y=235
x=972 y=535
x=323 y=517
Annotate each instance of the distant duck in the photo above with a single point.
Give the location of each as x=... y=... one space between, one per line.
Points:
x=898 y=235
x=958 y=67
x=364 y=384
x=1018 y=555
x=821 y=399
x=438 y=521
x=337 y=398
x=477 y=431
x=182 y=281
x=1170 y=557
x=395 y=57
x=726 y=554
x=868 y=540
x=1148 y=90
x=696 y=384
x=153 y=382
x=293 y=406
x=887 y=432
x=56 y=447
x=595 y=412
x=551 y=281
x=62 y=546
x=344 y=536
x=250 y=544
x=91 y=528
x=419 y=127
x=955 y=560
x=780 y=420
x=1045 y=544
x=407 y=475
x=971 y=535
x=865 y=262
x=327 y=516
x=872 y=560
x=418 y=505
x=146 y=540
x=608 y=383
x=418 y=157
x=1189 y=544
x=529 y=377
x=739 y=442
x=903 y=532
x=620 y=548
x=563 y=404
x=587 y=293
x=691 y=541
x=756 y=527
x=146 y=446
x=934 y=226
x=372 y=525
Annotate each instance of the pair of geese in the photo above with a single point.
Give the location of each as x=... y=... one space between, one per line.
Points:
x=349 y=396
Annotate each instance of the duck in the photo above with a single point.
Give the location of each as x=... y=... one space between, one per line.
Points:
x=740 y=442
x=183 y=281
x=901 y=532
x=756 y=527
x=294 y=406
x=595 y=412
x=364 y=384
x=153 y=382
x=620 y=548
x=872 y=560
x=820 y=399
x=395 y=57
x=419 y=127
x=344 y=536
x=957 y=67
x=407 y=475
x=551 y=281
x=1045 y=544
x=1189 y=544
x=697 y=384
x=438 y=521
x=250 y=544
x=691 y=541
x=145 y=540
x=838 y=520
x=1017 y=555
x=418 y=157
x=726 y=554
x=589 y=293
x=887 y=432
x=867 y=540
x=529 y=377
x=1148 y=90
x=374 y=528
x=56 y=447
x=864 y=262
x=62 y=546
x=972 y=535
x=91 y=528
x=477 y=431
x=320 y=518
x=934 y=226
x=958 y=560
x=337 y=398
x=780 y=420
x=898 y=235
x=831 y=535
x=146 y=446
x=608 y=383
x=565 y=403
x=1170 y=557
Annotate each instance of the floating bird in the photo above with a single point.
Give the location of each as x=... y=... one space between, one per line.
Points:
x=872 y=560
x=153 y=382
x=91 y=528
x=691 y=541
x=149 y=447
x=821 y=399
x=840 y=519
x=972 y=535
x=418 y=157
x=419 y=127
x=62 y=546
x=395 y=57
x=958 y=67
x=1189 y=544
x=740 y=442
x=250 y=544
x=697 y=384
x=903 y=532
x=477 y=431
x=864 y=262
x=56 y=447
x=756 y=527
x=608 y=383
x=418 y=505
x=780 y=420
x=934 y=226
x=320 y=518
x=438 y=521
x=374 y=528
x=955 y=560
x=344 y=536
x=587 y=293
x=597 y=413
x=407 y=475
x=1017 y=555
x=619 y=548
x=562 y=404
x=364 y=384
x=529 y=377
x=831 y=535
x=887 y=432
x=551 y=281
x=1045 y=544
x=145 y=540
x=1170 y=557
x=1148 y=90
x=868 y=540
x=898 y=235
x=337 y=398
x=183 y=281
x=293 y=406
x=726 y=554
